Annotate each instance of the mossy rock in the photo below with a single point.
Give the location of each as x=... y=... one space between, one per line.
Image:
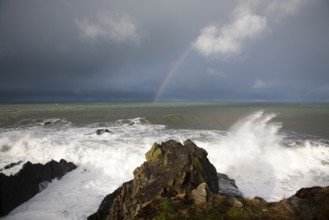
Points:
x=154 y=154
x=171 y=168
x=162 y=189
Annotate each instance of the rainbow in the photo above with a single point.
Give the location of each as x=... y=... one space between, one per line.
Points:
x=170 y=73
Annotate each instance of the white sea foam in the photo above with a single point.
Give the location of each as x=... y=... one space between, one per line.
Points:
x=253 y=152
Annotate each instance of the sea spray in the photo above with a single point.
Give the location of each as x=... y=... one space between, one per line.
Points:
x=264 y=160
x=254 y=154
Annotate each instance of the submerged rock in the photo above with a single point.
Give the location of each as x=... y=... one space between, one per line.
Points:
x=18 y=188
x=47 y=123
x=102 y=131
x=5 y=148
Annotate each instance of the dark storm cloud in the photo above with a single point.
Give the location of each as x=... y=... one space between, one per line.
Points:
x=52 y=50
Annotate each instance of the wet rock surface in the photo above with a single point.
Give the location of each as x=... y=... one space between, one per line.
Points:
x=227 y=186
x=18 y=188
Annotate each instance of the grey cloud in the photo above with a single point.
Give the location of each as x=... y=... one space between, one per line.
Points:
x=123 y=50
x=120 y=29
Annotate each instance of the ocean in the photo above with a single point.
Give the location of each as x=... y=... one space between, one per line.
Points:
x=271 y=150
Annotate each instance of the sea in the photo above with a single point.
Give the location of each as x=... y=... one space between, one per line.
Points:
x=271 y=150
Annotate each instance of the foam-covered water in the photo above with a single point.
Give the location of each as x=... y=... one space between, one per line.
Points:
x=262 y=159
x=264 y=162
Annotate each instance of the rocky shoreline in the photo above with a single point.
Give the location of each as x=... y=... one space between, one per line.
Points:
x=30 y=180
x=177 y=181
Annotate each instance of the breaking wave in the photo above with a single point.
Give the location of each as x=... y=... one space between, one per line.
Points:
x=262 y=159
x=267 y=163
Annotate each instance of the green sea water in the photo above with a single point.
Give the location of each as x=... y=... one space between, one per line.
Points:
x=303 y=119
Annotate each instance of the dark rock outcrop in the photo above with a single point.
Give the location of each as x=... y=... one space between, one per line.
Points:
x=309 y=203
x=171 y=169
x=18 y=188
x=178 y=182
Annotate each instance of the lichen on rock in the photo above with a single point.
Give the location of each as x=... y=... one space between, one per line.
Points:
x=177 y=181
x=170 y=169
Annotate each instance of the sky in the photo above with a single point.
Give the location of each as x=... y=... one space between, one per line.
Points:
x=159 y=51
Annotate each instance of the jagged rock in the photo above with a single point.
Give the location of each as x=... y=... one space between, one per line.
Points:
x=18 y=188
x=171 y=169
x=227 y=186
x=178 y=182
x=177 y=168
